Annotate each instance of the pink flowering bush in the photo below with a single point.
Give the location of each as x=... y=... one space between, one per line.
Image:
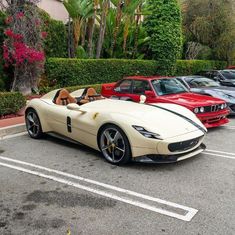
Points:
x=23 y=45
x=20 y=53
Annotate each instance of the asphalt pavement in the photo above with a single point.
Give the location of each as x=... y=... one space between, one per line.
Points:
x=50 y=186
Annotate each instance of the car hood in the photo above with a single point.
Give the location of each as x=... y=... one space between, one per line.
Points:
x=193 y=100
x=152 y=118
x=222 y=92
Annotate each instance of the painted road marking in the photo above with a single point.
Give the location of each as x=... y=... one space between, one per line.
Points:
x=222 y=154
x=190 y=212
x=218 y=155
x=228 y=127
x=12 y=136
x=216 y=151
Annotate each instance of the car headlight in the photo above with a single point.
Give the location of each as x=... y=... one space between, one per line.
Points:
x=146 y=133
x=199 y=110
x=196 y=110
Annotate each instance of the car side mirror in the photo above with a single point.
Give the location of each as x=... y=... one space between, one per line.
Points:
x=149 y=94
x=76 y=107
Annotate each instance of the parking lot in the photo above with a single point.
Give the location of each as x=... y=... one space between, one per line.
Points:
x=50 y=186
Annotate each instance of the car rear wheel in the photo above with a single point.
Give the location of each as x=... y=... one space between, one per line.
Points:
x=114 y=145
x=33 y=124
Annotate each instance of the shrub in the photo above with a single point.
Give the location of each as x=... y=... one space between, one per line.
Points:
x=55 y=43
x=45 y=90
x=70 y=72
x=188 y=67
x=11 y=102
x=73 y=72
x=163 y=26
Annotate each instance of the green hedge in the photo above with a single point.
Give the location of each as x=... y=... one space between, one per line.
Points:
x=71 y=72
x=11 y=102
x=188 y=67
x=45 y=90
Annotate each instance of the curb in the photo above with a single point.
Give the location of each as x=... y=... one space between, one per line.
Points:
x=12 y=130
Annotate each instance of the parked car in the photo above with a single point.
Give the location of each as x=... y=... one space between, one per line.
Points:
x=206 y=86
x=231 y=67
x=211 y=111
x=225 y=77
x=120 y=130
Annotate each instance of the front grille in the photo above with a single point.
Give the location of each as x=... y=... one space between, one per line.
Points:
x=183 y=145
x=212 y=108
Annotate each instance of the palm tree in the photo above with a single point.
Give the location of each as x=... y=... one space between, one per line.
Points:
x=78 y=10
x=92 y=27
x=105 y=7
x=119 y=6
x=129 y=11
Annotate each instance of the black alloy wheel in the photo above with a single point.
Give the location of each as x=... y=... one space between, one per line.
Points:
x=114 y=145
x=33 y=124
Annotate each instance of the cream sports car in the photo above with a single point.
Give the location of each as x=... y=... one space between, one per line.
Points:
x=120 y=130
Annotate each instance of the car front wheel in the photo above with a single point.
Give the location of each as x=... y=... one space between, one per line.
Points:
x=33 y=124
x=114 y=145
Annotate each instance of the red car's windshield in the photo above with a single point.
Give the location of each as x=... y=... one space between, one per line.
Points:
x=168 y=86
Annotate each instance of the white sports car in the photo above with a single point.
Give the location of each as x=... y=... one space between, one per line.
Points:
x=120 y=130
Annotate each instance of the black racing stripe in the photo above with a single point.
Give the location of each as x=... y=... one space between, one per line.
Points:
x=180 y=115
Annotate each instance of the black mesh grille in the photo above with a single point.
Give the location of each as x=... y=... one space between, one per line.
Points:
x=212 y=108
x=183 y=145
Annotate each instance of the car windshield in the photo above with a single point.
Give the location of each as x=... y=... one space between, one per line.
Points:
x=168 y=86
x=228 y=74
x=202 y=82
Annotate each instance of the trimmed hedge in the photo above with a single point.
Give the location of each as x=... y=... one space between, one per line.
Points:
x=189 y=67
x=71 y=72
x=45 y=90
x=11 y=102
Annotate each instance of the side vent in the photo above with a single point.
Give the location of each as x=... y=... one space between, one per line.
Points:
x=69 y=125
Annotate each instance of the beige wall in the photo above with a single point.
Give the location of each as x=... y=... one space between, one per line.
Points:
x=55 y=8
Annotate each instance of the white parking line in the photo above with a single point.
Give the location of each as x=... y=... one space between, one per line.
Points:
x=191 y=212
x=12 y=136
x=229 y=127
x=216 y=153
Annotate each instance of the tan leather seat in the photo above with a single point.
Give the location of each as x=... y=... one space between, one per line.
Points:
x=90 y=95
x=64 y=98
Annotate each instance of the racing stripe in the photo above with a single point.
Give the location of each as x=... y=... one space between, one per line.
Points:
x=180 y=115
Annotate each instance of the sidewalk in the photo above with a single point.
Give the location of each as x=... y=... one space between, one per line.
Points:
x=11 y=126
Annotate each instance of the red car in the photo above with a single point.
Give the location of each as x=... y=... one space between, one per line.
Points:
x=211 y=111
x=231 y=67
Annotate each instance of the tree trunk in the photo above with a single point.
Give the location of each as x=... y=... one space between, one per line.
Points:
x=84 y=33
x=105 y=8
x=117 y=25
x=91 y=31
x=137 y=29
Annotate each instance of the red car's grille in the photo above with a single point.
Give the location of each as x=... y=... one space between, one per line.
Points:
x=212 y=108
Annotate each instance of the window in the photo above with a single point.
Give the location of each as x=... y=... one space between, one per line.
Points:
x=124 y=86
x=168 y=86
x=140 y=86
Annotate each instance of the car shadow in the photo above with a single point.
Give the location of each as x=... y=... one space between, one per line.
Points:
x=132 y=165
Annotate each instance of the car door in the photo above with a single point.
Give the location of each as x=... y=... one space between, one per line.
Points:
x=57 y=118
x=82 y=127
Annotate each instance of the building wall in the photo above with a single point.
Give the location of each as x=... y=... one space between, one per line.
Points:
x=55 y=9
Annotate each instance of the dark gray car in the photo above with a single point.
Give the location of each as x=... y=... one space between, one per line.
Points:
x=225 y=77
x=207 y=86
